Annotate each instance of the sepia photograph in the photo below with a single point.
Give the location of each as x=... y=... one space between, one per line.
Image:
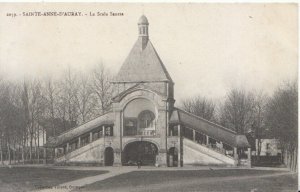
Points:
x=118 y=97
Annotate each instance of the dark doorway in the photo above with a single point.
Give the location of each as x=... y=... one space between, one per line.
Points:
x=143 y=151
x=109 y=156
x=173 y=157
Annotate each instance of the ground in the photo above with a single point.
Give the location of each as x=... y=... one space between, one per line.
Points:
x=147 y=179
x=17 y=179
x=199 y=180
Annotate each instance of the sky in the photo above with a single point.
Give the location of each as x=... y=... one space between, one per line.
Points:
x=207 y=48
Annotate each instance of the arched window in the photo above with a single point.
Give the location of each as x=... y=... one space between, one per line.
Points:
x=146 y=119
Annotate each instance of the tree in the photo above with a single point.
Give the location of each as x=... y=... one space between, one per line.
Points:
x=51 y=102
x=85 y=99
x=258 y=125
x=11 y=121
x=282 y=120
x=102 y=88
x=67 y=109
x=200 y=106
x=238 y=111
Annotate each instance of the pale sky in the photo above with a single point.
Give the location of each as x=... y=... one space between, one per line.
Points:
x=207 y=48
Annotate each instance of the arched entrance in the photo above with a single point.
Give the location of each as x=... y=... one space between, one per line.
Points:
x=172 y=157
x=108 y=156
x=143 y=151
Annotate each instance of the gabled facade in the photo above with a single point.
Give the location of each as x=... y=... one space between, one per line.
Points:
x=144 y=126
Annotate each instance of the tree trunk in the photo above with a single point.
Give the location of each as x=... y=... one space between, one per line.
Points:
x=1 y=156
x=18 y=154
x=1 y=152
x=8 y=151
x=14 y=153
x=38 y=144
x=295 y=160
x=35 y=147
x=14 y=156
x=30 y=146
x=23 y=155
x=23 y=150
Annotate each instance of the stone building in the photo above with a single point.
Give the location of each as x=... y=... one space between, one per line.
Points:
x=144 y=125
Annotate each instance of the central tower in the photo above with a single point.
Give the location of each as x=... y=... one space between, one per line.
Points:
x=143 y=102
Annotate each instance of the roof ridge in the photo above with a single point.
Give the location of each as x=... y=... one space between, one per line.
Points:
x=210 y=122
x=84 y=123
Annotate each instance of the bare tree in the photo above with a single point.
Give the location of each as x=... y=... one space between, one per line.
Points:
x=102 y=88
x=237 y=113
x=282 y=120
x=10 y=120
x=2 y=118
x=41 y=105
x=33 y=108
x=67 y=108
x=85 y=99
x=259 y=121
x=200 y=106
x=51 y=102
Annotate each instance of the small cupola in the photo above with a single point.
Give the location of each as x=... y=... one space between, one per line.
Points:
x=143 y=31
x=143 y=26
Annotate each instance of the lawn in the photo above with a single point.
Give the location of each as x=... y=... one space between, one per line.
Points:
x=197 y=180
x=272 y=184
x=17 y=179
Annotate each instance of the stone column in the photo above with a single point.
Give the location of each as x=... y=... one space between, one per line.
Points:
x=179 y=147
x=79 y=142
x=207 y=140
x=235 y=156
x=162 y=157
x=91 y=137
x=117 y=157
x=194 y=135
x=45 y=155
x=67 y=148
x=249 y=157
x=221 y=147
x=55 y=152
x=103 y=130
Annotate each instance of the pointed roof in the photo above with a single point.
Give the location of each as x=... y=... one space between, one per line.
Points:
x=143 y=63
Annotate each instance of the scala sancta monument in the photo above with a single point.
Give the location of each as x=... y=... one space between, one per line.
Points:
x=145 y=126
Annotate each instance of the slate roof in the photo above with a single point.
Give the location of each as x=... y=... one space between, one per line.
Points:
x=211 y=129
x=143 y=65
x=106 y=119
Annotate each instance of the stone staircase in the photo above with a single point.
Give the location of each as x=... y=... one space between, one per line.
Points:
x=195 y=153
x=85 y=154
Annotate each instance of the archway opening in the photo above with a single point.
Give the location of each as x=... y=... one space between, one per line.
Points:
x=143 y=151
x=108 y=156
x=140 y=117
x=173 y=157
